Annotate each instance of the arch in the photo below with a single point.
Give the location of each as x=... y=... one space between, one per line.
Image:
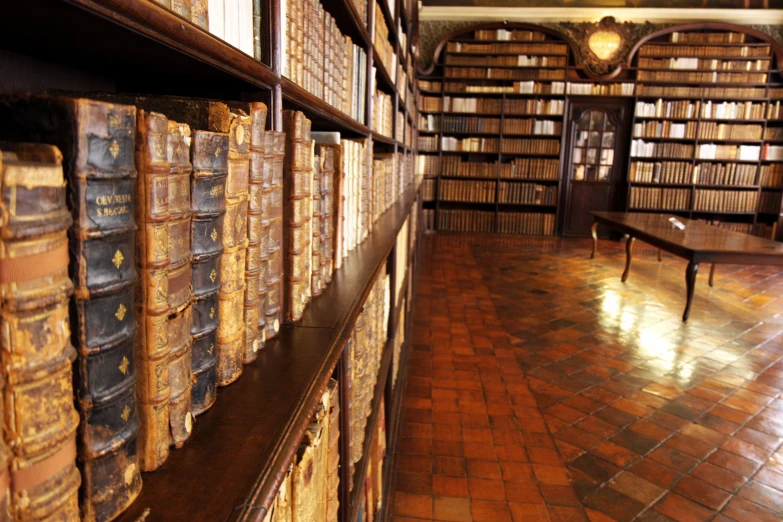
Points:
x=777 y=51
x=436 y=56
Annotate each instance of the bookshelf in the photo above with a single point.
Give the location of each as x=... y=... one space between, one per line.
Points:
x=700 y=136
x=242 y=447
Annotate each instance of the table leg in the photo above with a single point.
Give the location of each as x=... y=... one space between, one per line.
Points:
x=660 y=255
x=712 y=273
x=594 y=233
x=690 y=282
x=628 y=248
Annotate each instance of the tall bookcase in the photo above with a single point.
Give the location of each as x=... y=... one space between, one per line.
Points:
x=242 y=448
x=702 y=139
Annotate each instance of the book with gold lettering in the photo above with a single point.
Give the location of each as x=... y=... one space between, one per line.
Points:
x=209 y=153
x=257 y=236
x=271 y=301
x=231 y=322
x=180 y=282
x=97 y=143
x=39 y=421
x=297 y=207
x=152 y=258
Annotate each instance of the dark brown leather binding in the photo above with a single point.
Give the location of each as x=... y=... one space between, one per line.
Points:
x=152 y=245
x=208 y=189
x=180 y=282
x=297 y=198
x=39 y=420
x=231 y=324
x=257 y=236
x=97 y=142
x=274 y=152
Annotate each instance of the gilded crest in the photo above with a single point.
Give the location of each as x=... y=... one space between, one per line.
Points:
x=118 y=259
x=124 y=365
x=212 y=313
x=211 y=348
x=214 y=235
x=213 y=275
x=126 y=411
x=114 y=149
x=120 y=313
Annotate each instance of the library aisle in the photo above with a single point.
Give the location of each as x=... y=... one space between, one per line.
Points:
x=540 y=387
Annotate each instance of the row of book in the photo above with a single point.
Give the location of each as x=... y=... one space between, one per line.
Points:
x=218 y=271
x=454 y=166
x=744 y=51
x=726 y=200
x=773 y=133
x=676 y=172
x=548 y=48
x=771 y=175
x=428 y=165
x=466 y=191
x=430 y=85
x=701 y=77
x=382 y=46
x=519 y=168
x=646 y=149
x=465 y=221
x=704 y=63
x=695 y=109
x=427 y=143
x=478 y=124
x=598 y=89
x=520 y=60
x=323 y=61
x=707 y=130
x=428 y=190
x=526 y=193
x=723 y=131
x=664 y=129
x=382 y=114
x=769 y=202
x=519 y=223
x=659 y=198
x=489 y=73
x=716 y=151
x=755 y=229
x=712 y=37
x=485 y=145
x=492 y=106
x=680 y=91
x=517 y=35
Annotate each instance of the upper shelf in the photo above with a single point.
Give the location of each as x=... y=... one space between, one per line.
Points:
x=236 y=457
x=142 y=46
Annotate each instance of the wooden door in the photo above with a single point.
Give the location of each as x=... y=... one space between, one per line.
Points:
x=596 y=154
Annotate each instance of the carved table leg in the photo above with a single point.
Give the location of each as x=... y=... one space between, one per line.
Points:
x=712 y=273
x=690 y=282
x=660 y=255
x=628 y=247
x=594 y=233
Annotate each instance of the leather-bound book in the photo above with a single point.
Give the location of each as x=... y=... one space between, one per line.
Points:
x=180 y=282
x=5 y=471
x=297 y=201
x=328 y=216
x=231 y=322
x=182 y=8
x=316 y=284
x=152 y=258
x=199 y=14
x=308 y=477
x=208 y=201
x=271 y=300
x=97 y=142
x=257 y=237
x=333 y=454
x=281 y=511
x=39 y=418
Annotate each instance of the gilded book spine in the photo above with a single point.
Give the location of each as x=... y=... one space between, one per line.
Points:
x=152 y=258
x=231 y=324
x=97 y=142
x=39 y=420
x=208 y=201
x=274 y=153
x=297 y=206
x=257 y=237
x=180 y=283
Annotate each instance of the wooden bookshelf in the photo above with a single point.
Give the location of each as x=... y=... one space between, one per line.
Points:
x=690 y=102
x=240 y=450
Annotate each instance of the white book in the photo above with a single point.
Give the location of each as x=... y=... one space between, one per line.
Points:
x=231 y=21
x=245 y=25
x=216 y=18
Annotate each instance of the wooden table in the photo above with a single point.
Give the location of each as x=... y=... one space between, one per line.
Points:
x=698 y=243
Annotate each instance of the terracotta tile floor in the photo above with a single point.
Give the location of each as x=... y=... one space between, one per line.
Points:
x=540 y=387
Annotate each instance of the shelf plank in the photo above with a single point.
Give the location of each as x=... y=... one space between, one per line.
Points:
x=235 y=460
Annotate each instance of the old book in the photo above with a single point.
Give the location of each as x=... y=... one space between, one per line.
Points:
x=316 y=284
x=5 y=471
x=274 y=153
x=257 y=237
x=182 y=8
x=216 y=18
x=152 y=258
x=231 y=323
x=333 y=454
x=208 y=186
x=180 y=282
x=308 y=477
x=199 y=14
x=282 y=507
x=40 y=420
x=297 y=201
x=327 y=153
x=96 y=140
x=258 y=50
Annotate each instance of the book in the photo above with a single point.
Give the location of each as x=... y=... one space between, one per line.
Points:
x=297 y=206
x=180 y=284
x=96 y=140
x=208 y=186
x=257 y=235
x=36 y=348
x=231 y=322
x=274 y=153
x=310 y=468
x=333 y=453
x=199 y=13
x=153 y=262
